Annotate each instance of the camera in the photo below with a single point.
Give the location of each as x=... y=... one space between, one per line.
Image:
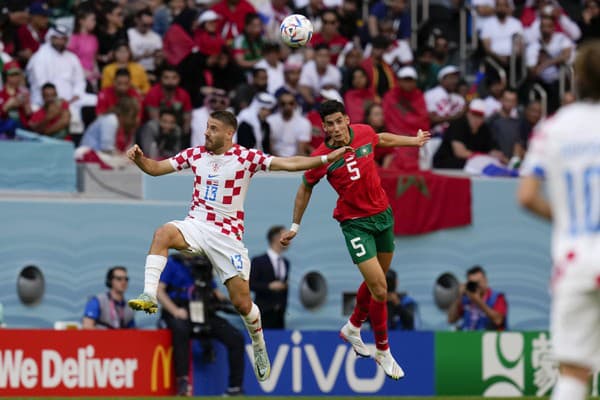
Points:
x=472 y=286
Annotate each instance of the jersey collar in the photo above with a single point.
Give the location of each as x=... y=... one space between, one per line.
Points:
x=351 y=139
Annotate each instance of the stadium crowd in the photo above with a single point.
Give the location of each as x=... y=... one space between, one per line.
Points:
x=106 y=74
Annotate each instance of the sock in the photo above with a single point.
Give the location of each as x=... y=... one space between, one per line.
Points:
x=569 y=388
x=253 y=324
x=378 y=315
x=154 y=267
x=361 y=308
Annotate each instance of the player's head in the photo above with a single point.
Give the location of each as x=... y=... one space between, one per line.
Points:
x=117 y=279
x=587 y=70
x=335 y=120
x=220 y=129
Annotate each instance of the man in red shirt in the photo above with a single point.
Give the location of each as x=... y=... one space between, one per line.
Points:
x=31 y=36
x=14 y=97
x=109 y=97
x=54 y=117
x=330 y=34
x=168 y=95
x=233 y=15
x=365 y=217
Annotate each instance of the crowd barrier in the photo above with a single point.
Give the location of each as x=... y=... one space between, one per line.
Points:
x=138 y=363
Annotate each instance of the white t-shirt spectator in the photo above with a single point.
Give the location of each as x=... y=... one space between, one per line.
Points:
x=309 y=77
x=501 y=34
x=569 y=28
x=554 y=47
x=275 y=78
x=141 y=44
x=286 y=135
x=397 y=55
x=444 y=104
x=480 y=20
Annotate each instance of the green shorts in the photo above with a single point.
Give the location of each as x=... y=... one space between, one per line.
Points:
x=365 y=237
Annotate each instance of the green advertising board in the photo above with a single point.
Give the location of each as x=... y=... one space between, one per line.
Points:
x=495 y=364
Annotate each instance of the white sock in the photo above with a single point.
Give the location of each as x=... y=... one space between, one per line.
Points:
x=154 y=267
x=352 y=327
x=254 y=324
x=569 y=388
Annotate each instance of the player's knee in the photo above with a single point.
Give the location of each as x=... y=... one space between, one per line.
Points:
x=379 y=291
x=242 y=305
x=163 y=236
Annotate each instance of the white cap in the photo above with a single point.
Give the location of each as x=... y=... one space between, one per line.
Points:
x=208 y=15
x=332 y=94
x=266 y=100
x=407 y=72
x=447 y=70
x=477 y=106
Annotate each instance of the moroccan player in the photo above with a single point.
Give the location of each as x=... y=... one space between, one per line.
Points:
x=365 y=217
x=215 y=223
x=565 y=151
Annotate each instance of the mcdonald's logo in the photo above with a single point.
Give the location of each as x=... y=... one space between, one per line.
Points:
x=164 y=357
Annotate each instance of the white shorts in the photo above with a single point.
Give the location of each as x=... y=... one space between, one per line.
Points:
x=228 y=256
x=575 y=321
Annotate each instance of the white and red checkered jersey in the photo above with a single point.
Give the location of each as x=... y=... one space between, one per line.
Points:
x=220 y=185
x=565 y=150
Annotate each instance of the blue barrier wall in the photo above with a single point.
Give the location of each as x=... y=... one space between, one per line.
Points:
x=75 y=241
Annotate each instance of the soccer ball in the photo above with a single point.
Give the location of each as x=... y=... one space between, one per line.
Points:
x=296 y=30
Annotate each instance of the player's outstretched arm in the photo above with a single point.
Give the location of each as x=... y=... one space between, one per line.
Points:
x=387 y=139
x=301 y=163
x=148 y=165
x=530 y=196
x=302 y=199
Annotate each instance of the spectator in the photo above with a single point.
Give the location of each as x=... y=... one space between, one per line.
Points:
x=311 y=9
x=291 y=79
x=375 y=117
x=316 y=72
x=505 y=127
x=110 y=31
x=498 y=35
x=245 y=92
x=216 y=100
x=224 y=73
x=53 y=63
x=329 y=34
x=478 y=307
x=247 y=47
x=485 y=10
x=32 y=36
x=143 y=41
x=443 y=105
x=161 y=16
x=15 y=106
x=465 y=137
x=427 y=69
x=403 y=311
x=163 y=138
x=397 y=11
x=84 y=44
x=53 y=118
x=495 y=88
x=290 y=130
x=181 y=51
x=441 y=50
x=380 y=73
x=253 y=129
x=359 y=96
x=269 y=276
x=536 y=9
x=189 y=299
x=109 y=310
x=544 y=58
x=168 y=94
x=176 y=7
x=590 y=20
x=271 y=62
x=531 y=116
x=112 y=133
x=18 y=15
x=209 y=42
x=233 y=17
x=274 y=12
x=123 y=59
x=121 y=87
x=351 y=22
x=398 y=53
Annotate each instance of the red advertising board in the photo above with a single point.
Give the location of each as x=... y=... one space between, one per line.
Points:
x=85 y=363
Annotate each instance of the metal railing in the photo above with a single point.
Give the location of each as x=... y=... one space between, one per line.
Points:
x=466 y=48
x=565 y=73
x=489 y=60
x=415 y=23
x=517 y=77
x=538 y=91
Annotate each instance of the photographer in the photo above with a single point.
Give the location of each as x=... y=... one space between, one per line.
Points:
x=189 y=300
x=403 y=311
x=480 y=307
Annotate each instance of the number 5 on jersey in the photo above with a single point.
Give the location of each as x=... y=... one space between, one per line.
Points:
x=351 y=165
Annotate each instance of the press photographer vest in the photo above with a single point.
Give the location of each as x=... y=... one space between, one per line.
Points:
x=474 y=319
x=113 y=316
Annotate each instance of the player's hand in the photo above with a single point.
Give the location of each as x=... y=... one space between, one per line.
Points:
x=423 y=137
x=339 y=153
x=286 y=237
x=135 y=153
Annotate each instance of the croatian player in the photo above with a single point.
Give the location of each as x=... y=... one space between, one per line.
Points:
x=365 y=217
x=215 y=223
x=565 y=151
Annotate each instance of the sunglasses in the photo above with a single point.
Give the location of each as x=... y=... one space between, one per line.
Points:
x=121 y=278
x=287 y=103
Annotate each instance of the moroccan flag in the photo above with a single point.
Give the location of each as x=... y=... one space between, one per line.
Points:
x=425 y=202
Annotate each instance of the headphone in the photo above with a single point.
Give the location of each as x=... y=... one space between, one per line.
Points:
x=110 y=273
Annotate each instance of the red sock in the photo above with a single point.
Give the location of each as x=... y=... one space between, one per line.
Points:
x=361 y=308
x=378 y=315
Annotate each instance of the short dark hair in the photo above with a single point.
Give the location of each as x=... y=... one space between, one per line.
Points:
x=329 y=107
x=169 y=68
x=122 y=72
x=167 y=110
x=476 y=269
x=48 y=85
x=322 y=46
x=274 y=231
x=225 y=117
x=587 y=70
x=144 y=11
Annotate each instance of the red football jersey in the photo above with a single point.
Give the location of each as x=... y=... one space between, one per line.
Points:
x=354 y=178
